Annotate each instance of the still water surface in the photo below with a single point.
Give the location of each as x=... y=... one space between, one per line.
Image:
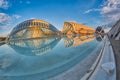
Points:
x=40 y=59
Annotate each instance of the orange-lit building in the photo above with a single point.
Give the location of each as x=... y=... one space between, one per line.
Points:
x=75 y=28
x=78 y=40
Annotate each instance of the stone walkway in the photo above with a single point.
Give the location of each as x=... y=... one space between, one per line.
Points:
x=116 y=48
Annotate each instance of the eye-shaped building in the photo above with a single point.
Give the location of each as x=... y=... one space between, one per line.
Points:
x=32 y=29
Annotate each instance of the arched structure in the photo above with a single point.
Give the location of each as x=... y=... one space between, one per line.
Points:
x=75 y=28
x=115 y=31
x=99 y=30
x=32 y=29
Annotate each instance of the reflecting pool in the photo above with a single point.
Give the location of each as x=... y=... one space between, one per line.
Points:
x=41 y=59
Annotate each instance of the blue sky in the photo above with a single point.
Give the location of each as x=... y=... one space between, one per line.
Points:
x=89 y=12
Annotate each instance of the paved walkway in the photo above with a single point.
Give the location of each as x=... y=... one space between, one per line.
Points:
x=106 y=69
x=116 y=49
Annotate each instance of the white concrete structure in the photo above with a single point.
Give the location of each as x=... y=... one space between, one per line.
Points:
x=32 y=29
x=104 y=68
x=115 y=31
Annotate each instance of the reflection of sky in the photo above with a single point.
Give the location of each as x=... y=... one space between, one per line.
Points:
x=57 y=60
x=36 y=47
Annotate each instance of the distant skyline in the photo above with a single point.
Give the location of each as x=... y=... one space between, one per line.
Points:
x=89 y=12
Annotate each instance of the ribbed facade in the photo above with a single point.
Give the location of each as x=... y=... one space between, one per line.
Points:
x=75 y=28
x=115 y=31
x=32 y=29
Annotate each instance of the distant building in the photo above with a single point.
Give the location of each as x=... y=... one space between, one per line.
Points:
x=75 y=28
x=32 y=29
x=99 y=30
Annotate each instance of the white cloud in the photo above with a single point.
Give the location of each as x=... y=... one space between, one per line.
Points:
x=6 y=20
x=91 y=10
x=33 y=18
x=24 y=2
x=16 y=16
x=111 y=10
x=4 y=4
x=88 y=11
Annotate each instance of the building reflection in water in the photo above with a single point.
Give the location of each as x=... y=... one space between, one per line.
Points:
x=69 y=41
x=31 y=66
x=34 y=47
x=99 y=37
x=45 y=43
